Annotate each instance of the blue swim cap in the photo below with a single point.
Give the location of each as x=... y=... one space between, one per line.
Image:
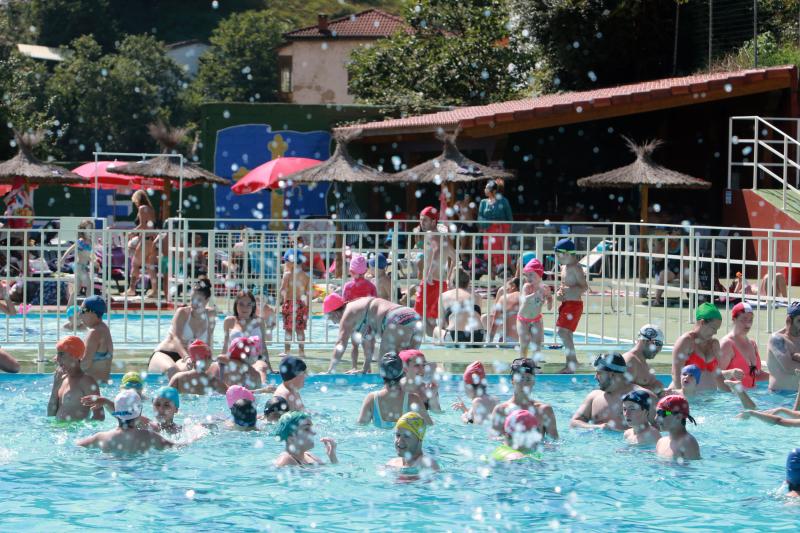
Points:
x=293 y=256
x=794 y=309
x=171 y=394
x=72 y=310
x=96 y=305
x=380 y=258
x=565 y=246
x=288 y=424
x=527 y=256
x=793 y=467
x=639 y=397
x=693 y=370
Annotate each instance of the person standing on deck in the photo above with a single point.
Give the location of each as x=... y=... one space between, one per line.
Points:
x=494 y=215
x=570 y=294
x=439 y=263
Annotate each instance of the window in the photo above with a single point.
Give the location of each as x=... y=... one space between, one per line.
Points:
x=285 y=66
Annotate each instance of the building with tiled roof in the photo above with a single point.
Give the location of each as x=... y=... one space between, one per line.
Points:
x=313 y=61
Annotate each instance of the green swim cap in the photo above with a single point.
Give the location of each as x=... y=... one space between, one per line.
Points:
x=288 y=424
x=131 y=380
x=707 y=311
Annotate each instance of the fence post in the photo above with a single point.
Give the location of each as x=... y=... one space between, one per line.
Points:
x=755 y=153
x=783 y=175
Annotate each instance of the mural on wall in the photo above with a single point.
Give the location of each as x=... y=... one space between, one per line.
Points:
x=240 y=149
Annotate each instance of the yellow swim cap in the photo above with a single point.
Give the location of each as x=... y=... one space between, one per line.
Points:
x=131 y=380
x=412 y=422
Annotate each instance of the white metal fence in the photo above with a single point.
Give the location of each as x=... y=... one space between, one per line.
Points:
x=622 y=262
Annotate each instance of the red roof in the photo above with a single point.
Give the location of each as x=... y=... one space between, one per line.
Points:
x=369 y=24
x=542 y=111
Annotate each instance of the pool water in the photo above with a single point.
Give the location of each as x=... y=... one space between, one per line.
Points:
x=147 y=330
x=586 y=481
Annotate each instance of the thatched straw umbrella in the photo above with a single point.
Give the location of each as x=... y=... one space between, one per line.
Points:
x=169 y=168
x=643 y=173
x=26 y=166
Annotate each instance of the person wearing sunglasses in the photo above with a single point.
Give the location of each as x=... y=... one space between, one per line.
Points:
x=648 y=344
x=523 y=378
x=672 y=412
x=602 y=408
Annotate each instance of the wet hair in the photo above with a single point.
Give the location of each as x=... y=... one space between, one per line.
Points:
x=140 y=198
x=515 y=281
x=245 y=294
x=463 y=279
x=203 y=286
x=277 y=405
x=244 y=413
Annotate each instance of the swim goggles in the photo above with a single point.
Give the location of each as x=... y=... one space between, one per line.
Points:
x=664 y=412
x=524 y=365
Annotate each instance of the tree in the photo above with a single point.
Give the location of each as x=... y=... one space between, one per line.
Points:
x=241 y=64
x=456 y=53
x=108 y=100
x=58 y=22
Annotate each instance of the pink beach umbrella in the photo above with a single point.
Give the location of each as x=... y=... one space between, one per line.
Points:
x=269 y=175
x=107 y=179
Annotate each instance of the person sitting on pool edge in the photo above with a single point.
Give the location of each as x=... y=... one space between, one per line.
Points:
x=421 y=379
x=672 y=413
x=293 y=374
x=793 y=473
x=129 y=436
x=235 y=368
x=275 y=408
x=166 y=403
x=648 y=345
x=385 y=407
x=636 y=406
x=481 y=403
x=99 y=344
x=602 y=408
x=295 y=430
x=523 y=378
x=409 y=432
x=71 y=383
x=241 y=402
x=521 y=438
x=195 y=380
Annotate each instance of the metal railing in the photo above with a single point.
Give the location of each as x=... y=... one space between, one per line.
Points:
x=622 y=263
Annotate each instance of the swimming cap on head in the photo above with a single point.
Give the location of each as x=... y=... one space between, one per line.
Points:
x=244 y=413
x=639 y=397
x=391 y=366
x=244 y=347
x=521 y=421
x=693 y=370
x=72 y=346
x=524 y=365
x=358 y=264
x=288 y=424
x=413 y=423
x=534 y=265
x=430 y=212
x=527 y=256
x=96 y=305
x=380 y=259
x=236 y=393
x=565 y=246
x=408 y=355
x=332 y=302
x=676 y=404
x=199 y=350
x=794 y=309
x=293 y=256
x=611 y=362
x=127 y=405
x=475 y=374
x=707 y=311
x=741 y=308
x=651 y=332
x=277 y=404
x=73 y=310
x=291 y=367
x=169 y=393
x=131 y=380
x=793 y=467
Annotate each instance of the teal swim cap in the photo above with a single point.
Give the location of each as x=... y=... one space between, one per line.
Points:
x=288 y=424
x=171 y=394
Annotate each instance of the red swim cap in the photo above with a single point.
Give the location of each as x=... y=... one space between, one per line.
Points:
x=242 y=348
x=520 y=420
x=674 y=403
x=740 y=308
x=430 y=212
x=474 y=374
x=407 y=355
x=199 y=350
x=534 y=265
x=72 y=346
x=332 y=302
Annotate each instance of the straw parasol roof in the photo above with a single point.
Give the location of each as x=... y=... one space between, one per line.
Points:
x=452 y=166
x=168 y=167
x=26 y=166
x=340 y=167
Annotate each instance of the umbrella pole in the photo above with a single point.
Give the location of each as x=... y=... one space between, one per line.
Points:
x=180 y=192
x=166 y=200
x=96 y=179
x=644 y=203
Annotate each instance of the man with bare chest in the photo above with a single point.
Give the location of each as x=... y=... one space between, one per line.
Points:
x=784 y=352
x=71 y=383
x=439 y=261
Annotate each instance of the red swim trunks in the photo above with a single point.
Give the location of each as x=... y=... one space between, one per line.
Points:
x=431 y=298
x=295 y=315
x=569 y=314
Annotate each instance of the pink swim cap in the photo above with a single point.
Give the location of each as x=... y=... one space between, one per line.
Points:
x=534 y=265
x=236 y=393
x=519 y=421
x=474 y=374
x=332 y=302
x=358 y=264
x=408 y=355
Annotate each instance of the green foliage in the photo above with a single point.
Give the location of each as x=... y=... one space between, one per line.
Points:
x=770 y=53
x=58 y=22
x=109 y=99
x=459 y=53
x=241 y=64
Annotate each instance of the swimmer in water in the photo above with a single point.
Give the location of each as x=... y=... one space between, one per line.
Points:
x=236 y=367
x=293 y=374
x=672 y=413
x=195 y=380
x=166 y=403
x=636 y=406
x=74 y=320
x=130 y=381
x=523 y=379
x=295 y=430
x=521 y=438
x=129 y=437
x=384 y=408
x=690 y=379
x=409 y=432
x=275 y=409
x=648 y=345
x=241 y=402
x=421 y=379
x=481 y=403
x=793 y=473
x=71 y=383
x=99 y=345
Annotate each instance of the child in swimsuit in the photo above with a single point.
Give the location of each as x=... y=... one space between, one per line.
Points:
x=570 y=294
x=84 y=259
x=532 y=298
x=294 y=294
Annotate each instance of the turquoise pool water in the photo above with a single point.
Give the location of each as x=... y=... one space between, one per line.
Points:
x=586 y=482
x=147 y=330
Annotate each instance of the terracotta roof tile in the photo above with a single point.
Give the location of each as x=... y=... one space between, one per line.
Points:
x=372 y=23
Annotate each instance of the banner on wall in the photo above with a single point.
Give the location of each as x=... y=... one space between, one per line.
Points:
x=240 y=149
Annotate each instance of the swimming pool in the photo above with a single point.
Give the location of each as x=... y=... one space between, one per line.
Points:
x=587 y=481
x=146 y=330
